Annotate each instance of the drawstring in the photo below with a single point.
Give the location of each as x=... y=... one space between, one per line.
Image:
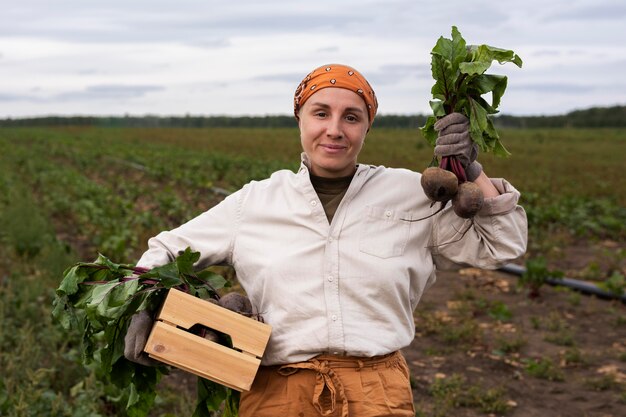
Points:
x=326 y=379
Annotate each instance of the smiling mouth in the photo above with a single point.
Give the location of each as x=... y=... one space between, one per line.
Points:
x=334 y=147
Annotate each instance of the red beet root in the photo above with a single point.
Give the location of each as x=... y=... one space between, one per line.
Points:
x=439 y=184
x=468 y=200
x=236 y=302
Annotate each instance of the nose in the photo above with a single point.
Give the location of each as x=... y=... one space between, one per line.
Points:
x=334 y=129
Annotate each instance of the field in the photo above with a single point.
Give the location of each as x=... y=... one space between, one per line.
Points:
x=487 y=343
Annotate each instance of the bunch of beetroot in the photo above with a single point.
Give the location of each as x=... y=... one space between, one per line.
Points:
x=98 y=300
x=460 y=82
x=448 y=183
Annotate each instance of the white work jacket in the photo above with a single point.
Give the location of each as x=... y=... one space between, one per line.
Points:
x=348 y=287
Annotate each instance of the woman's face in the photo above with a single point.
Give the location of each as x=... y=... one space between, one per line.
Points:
x=333 y=123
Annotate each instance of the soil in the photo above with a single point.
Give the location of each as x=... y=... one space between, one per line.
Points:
x=479 y=327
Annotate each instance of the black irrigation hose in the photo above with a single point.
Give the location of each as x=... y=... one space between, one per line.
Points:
x=575 y=284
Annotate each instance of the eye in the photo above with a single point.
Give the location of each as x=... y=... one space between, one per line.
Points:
x=352 y=118
x=320 y=114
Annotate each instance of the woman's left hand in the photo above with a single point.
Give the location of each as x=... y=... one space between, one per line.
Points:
x=454 y=140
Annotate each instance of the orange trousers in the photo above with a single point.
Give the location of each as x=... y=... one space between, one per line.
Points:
x=332 y=386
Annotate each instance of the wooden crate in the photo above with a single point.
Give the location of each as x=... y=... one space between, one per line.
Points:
x=170 y=342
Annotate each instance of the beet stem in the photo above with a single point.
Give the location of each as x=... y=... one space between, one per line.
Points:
x=451 y=163
x=458 y=169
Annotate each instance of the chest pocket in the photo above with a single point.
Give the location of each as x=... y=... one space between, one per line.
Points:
x=385 y=233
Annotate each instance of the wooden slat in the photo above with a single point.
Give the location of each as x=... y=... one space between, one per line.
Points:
x=202 y=357
x=169 y=342
x=186 y=310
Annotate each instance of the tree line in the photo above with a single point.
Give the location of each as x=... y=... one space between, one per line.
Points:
x=614 y=116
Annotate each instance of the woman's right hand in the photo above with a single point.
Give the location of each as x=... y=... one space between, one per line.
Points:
x=136 y=337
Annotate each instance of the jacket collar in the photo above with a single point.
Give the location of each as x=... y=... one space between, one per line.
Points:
x=305 y=166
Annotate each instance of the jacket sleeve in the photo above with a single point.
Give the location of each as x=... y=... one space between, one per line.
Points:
x=212 y=234
x=497 y=235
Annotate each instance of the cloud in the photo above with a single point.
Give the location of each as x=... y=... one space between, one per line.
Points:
x=398 y=73
x=248 y=56
x=559 y=88
x=328 y=49
x=211 y=43
x=90 y=93
x=598 y=11
x=108 y=92
x=280 y=77
x=16 y=97
x=205 y=24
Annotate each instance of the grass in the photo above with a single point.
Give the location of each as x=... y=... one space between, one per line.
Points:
x=563 y=337
x=508 y=345
x=451 y=392
x=603 y=383
x=544 y=368
x=574 y=357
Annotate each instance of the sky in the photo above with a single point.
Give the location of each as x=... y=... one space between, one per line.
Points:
x=246 y=57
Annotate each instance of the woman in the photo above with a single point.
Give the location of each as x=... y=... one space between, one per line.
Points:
x=329 y=256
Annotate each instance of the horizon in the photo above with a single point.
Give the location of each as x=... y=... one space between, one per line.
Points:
x=146 y=115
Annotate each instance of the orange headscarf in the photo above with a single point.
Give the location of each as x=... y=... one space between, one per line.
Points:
x=336 y=75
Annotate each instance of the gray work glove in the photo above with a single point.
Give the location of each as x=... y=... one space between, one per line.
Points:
x=136 y=337
x=454 y=140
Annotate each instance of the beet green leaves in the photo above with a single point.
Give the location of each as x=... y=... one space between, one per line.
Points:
x=460 y=83
x=97 y=300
